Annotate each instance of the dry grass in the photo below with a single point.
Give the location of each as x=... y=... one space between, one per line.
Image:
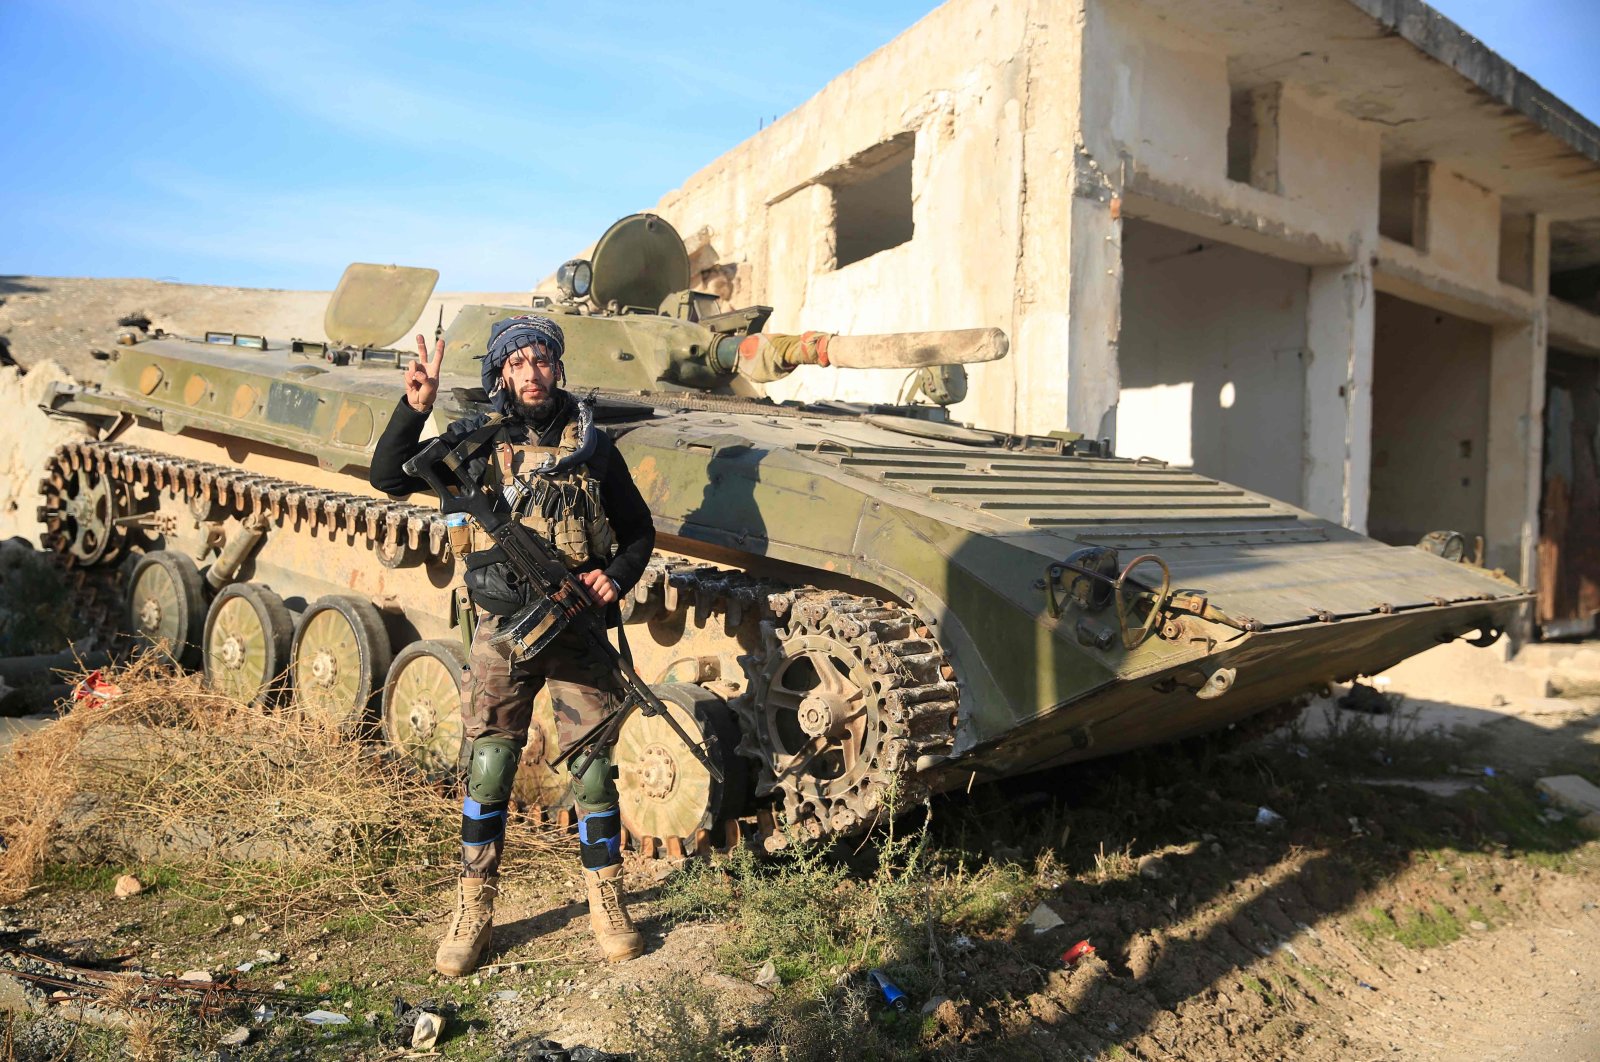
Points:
x=152 y=1033
x=260 y=805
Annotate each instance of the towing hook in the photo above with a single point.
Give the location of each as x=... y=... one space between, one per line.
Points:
x=1220 y=682
x=1486 y=636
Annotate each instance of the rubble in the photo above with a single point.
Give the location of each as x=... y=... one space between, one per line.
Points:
x=1043 y=919
x=1571 y=791
x=766 y=976
x=1576 y=794
x=238 y=1037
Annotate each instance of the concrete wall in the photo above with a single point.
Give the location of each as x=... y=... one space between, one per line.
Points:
x=1462 y=231
x=1156 y=93
x=972 y=84
x=1212 y=359
x=1157 y=98
x=1455 y=269
x=1430 y=423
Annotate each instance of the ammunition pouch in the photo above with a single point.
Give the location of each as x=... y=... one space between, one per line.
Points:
x=528 y=618
x=496 y=586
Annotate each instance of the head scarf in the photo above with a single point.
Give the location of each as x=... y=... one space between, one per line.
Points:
x=509 y=336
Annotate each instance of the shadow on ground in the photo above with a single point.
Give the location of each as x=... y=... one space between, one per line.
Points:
x=1167 y=871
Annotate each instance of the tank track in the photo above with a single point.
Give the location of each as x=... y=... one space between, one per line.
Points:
x=388 y=525
x=906 y=673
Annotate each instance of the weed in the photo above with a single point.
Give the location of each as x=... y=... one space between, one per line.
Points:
x=1119 y=865
x=1415 y=928
x=1431 y=928
x=1378 y=925
x=1509 y=813
x=153 y=1035
x=801 y=913
x=354 y=924
x=1254 y=985
x=989 y=899
x=841 y=1024
x=822 y=927
x=1322 y=977
x=102 y=877
x=1388 y=745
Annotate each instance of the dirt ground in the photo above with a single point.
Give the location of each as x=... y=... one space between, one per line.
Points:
x=1398 y=902
x=1415 y=908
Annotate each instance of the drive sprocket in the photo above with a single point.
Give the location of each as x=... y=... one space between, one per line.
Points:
x=82 y=509
x=853 y=692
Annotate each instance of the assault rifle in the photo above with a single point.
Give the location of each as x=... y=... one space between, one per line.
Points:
x=550 y=598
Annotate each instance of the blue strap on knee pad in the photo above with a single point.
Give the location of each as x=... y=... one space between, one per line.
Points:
x=600 y=839
x=482 y=824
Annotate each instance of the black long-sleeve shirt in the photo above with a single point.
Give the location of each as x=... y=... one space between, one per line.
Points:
x=625 y=507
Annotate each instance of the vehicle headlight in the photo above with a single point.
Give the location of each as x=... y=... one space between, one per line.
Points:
x=574 y=278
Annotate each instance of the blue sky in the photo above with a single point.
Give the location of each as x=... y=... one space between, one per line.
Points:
x=268 y=144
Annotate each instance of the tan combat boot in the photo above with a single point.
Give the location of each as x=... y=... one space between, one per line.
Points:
x=608 y=916
x=465 y=943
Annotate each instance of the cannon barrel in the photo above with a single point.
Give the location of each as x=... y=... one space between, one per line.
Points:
x=768 y=356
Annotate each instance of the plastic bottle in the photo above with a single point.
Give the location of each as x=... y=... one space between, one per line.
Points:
x=891 y=992
x=460 y=535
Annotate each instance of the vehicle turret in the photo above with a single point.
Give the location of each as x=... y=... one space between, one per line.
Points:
x=632 y=323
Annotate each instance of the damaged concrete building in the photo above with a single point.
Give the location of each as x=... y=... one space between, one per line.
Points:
x=1336 y=251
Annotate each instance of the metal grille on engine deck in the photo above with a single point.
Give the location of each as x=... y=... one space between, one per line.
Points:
x=1100 y=497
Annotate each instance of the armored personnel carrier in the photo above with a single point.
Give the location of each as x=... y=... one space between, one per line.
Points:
x=851 y=605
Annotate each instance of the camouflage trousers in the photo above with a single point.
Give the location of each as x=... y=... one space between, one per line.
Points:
x=498 y=701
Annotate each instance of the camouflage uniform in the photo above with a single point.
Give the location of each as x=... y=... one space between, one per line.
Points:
x=499 y=701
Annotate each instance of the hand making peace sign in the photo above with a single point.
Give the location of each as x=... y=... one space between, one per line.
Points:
x=422 y=376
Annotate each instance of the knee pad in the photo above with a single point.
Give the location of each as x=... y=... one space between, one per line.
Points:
x=596 y=788
x=600 y=839
x=492 y=768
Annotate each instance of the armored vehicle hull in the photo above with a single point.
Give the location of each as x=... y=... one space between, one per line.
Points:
x=847 y=606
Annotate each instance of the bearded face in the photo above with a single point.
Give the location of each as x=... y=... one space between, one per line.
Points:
x=530 y=376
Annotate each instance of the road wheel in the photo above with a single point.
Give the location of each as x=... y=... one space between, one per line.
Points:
x=422 y=705
x=166 y=605
x=339 y=658
x=670 y=803
x=248 y=635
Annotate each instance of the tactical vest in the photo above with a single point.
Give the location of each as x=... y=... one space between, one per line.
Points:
x=563 y=509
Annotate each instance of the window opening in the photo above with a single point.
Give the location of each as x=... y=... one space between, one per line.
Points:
x=872 y=201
